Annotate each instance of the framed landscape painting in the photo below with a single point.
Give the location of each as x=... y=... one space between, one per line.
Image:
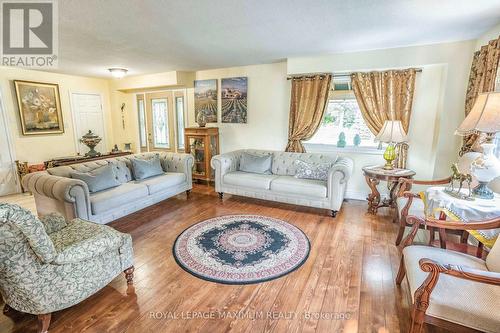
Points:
x=205 y=99
x=39 y=107
x=234 y=100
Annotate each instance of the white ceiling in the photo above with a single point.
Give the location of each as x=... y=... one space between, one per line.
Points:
x=148 y=36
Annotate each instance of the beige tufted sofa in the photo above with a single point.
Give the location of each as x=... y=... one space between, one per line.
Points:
x=281 y=185
x=55 y=191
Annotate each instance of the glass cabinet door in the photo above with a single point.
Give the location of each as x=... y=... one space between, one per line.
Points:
x=197 y=149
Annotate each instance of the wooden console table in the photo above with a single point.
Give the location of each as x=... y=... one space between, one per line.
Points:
x=373 y=176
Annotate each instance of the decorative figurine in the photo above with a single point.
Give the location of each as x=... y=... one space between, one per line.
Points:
x=461 y=178
x=341 y=142
x=201 y=118
x=357 y=140
x=115 y=150
x=91 y=140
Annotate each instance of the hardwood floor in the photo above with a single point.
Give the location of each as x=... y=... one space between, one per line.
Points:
x=346 y=285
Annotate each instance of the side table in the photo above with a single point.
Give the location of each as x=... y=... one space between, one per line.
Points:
x=373 y=176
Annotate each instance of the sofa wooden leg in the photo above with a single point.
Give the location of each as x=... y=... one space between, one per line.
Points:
x=401 y=272
x=221 y=195
x=129 y=276
x=44 y=322
x=188 y=193
x=334 y=213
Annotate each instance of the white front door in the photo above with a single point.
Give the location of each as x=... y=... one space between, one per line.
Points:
x=8 y=174
x=88 y=114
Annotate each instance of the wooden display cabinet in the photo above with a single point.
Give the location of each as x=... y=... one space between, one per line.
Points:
x=203 y=144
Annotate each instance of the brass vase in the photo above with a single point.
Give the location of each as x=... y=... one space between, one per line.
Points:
x=91 y=140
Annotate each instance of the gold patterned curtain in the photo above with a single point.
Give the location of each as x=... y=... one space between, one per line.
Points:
x=482 y=78
x=386 y=95
x=307 y=106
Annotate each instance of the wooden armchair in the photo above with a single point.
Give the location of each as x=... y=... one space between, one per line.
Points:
x=409 y=203
x=451 y=289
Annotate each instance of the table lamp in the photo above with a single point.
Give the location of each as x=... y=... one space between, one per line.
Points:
x=484 y=117
x=392 y=132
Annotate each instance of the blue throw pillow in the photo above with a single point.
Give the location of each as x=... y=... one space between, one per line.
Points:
x=98 y=179
x=143 y=168
x=256 y=164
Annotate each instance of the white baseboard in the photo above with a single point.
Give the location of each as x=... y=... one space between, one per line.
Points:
x=355 y=195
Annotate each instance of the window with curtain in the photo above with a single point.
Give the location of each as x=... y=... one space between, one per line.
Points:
x=343 y=115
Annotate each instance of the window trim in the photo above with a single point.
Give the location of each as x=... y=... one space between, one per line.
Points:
x=331 y=148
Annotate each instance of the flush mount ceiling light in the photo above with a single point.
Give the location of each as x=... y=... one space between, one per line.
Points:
x=118 y=72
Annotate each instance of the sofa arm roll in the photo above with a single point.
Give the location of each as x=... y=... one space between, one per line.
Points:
x=223 y=164
x=227 y=162
x=62 y=189
x=344 y=166
x=178 y=162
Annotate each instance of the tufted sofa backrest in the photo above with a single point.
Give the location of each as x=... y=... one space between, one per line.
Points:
x=22 y=238
x=284 y=162
x=121 y=165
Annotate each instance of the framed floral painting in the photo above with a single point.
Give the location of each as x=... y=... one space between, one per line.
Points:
x=39 y=107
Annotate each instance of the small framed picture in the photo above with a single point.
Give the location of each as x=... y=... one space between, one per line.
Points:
x=39 y=107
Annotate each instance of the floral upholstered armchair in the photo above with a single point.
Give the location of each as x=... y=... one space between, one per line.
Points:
x=50 y=264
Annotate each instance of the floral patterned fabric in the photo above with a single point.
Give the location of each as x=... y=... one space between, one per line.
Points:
x=317 y=171
x=53 y=222
x=42 y=273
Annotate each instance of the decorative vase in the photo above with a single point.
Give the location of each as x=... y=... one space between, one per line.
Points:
x=341 y=142
x=91 y=140
x=201 y=119
x=389 y=156
x=357 y=140
x=485 y=168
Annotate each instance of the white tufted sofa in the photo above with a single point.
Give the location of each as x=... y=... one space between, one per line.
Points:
x=281 y=185
x=55 y=191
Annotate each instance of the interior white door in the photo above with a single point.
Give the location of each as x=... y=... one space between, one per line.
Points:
x=88 y=114
x=8 y=174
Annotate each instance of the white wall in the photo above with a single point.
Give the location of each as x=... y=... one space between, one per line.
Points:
x=438 y=106
x=487 y=36
x=268 y=104
x=38 y=148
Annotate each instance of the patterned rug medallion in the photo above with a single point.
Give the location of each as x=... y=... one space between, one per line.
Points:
x=241 y=249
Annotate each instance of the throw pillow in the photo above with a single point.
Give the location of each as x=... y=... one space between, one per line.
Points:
x=98 y=179
x=143 y=168
x=317 y=171
x=256 y=164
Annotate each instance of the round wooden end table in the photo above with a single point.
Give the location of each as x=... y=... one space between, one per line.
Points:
x=373 y=176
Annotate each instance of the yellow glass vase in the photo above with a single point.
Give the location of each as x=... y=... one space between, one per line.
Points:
x=389 y=156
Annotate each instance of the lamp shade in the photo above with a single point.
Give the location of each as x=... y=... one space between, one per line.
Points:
x=484 y=116
x=392 y=131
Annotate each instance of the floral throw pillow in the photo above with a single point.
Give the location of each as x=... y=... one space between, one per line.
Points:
x=317 y=171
